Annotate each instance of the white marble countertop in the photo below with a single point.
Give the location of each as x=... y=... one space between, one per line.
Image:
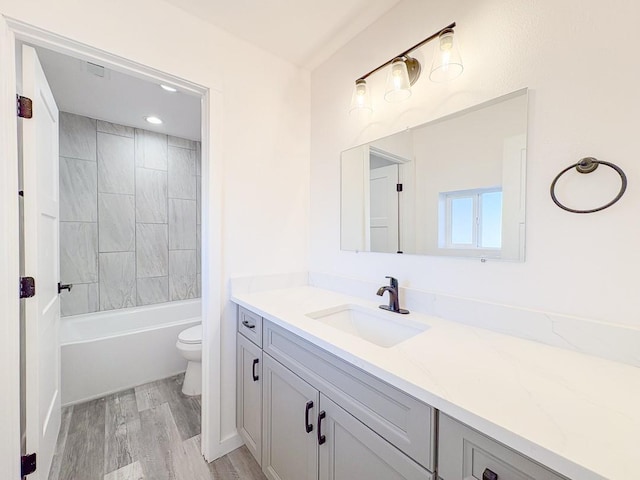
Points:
x=577 y=414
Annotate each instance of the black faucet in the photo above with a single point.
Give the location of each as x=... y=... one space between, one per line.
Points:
x=394 y=302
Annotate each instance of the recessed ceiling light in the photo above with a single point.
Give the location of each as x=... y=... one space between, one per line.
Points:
x=154 y=120
x=168 y=88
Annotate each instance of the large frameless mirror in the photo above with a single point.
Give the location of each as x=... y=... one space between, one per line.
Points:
x=454 y=186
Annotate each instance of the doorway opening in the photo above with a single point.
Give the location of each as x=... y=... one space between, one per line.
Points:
x=44 y=408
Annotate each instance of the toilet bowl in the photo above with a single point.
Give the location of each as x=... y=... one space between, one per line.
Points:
x=190 y=346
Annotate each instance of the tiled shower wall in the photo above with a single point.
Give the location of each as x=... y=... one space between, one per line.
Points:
x=129 y=216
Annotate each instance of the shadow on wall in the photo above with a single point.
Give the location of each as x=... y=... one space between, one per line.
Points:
x=129 y=216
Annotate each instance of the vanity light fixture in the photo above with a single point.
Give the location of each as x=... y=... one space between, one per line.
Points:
x=168 y=88
x=405 y=70
x=361 y=98
x=447 y=63
x=153 y=120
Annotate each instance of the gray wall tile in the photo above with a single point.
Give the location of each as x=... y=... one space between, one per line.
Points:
x=78 y=252
x=152 y=250
x=83 y=298
x=115 y=129
x=77 y=137
x=181 y=142
x=198 y=201
x=117 y=280
x=182 y=275
x=198 y=249
x=182 y=170
x=182 y=224
x=78 y=190
x=199 y=158
x=151 y=150
x=115 y=164
x=153 y=290
x=151 y=196
x=115 y=244
x=116 y=219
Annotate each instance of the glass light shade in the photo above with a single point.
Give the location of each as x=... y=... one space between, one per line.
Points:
x=361 y=98
x=447 y=62
x=398 y=85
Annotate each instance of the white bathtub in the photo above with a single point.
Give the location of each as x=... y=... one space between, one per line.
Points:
x=106 y=352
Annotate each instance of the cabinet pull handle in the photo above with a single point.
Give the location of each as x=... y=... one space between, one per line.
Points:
x=253 y=369
x=308 y=426
x=321 y=438
x=247 y=324
x=489 y=475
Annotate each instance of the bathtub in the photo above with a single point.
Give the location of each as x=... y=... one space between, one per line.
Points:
x=106 y=352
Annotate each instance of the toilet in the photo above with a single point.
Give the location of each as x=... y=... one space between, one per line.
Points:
x=190 y=346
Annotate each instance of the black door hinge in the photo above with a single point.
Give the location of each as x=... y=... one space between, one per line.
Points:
x=398 y=187
x=28 y=463
x=25 y=107
x=27 y=287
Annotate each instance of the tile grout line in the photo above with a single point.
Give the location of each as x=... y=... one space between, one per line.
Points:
x=135 y=219
x=98 y=223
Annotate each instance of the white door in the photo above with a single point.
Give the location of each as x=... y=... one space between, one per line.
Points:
x=384 y=209
x=41 y=255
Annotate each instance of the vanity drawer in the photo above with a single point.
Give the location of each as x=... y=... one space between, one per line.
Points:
x=397 y=417
x=465 y=454
x=250 y=325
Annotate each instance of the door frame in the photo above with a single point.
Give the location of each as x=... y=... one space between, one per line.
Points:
x=11 y=32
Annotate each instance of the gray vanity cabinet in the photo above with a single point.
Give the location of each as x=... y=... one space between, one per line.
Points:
x=466 y=454
x=249 y=394
x=290 y=408
x=352 y=451
x=307 y=436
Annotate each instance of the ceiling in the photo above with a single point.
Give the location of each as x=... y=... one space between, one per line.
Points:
x=304 y=32
x=118 y=98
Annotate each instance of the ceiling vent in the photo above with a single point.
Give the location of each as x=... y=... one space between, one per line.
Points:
x=97 y=70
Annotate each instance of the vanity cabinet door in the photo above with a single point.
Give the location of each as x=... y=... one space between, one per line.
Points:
x=352 y=451
x=466 y=454
x=249 y=395
x=290 y=410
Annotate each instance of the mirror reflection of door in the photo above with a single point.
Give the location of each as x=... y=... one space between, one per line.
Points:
x=383 y=212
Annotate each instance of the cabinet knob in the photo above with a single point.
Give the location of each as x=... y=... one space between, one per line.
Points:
x=247 y=324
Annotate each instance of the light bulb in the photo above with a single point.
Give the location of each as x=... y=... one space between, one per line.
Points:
x=398 y=85
x=447 y=62
x=361 y=98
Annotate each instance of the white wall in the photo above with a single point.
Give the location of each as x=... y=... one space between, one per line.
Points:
x=265 y=131
x=577 y=59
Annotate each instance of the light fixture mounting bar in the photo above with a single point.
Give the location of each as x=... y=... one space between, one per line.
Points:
x=409 y=50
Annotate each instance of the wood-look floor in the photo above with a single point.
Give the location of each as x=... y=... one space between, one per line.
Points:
x=150 y=432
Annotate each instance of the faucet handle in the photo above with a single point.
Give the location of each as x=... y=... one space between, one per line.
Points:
x=393 y=281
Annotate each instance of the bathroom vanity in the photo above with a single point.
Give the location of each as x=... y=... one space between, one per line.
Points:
x=319 y=396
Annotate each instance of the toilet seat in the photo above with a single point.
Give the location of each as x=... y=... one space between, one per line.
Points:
x=191 y=336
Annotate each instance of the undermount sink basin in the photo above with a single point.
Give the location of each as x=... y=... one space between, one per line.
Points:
x=379 y=327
